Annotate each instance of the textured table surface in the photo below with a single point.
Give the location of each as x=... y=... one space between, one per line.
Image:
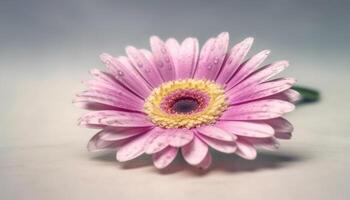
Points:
x=46 y=49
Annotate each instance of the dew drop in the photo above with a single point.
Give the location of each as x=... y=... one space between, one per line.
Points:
x=120 y=73
x=216 y=60
x=167 y=59
x=163 y=50
x=210 y=67
x=160 y=64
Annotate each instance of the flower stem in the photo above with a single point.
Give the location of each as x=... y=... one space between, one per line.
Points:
x=308 y=95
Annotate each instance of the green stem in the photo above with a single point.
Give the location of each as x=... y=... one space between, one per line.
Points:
x=308 y=94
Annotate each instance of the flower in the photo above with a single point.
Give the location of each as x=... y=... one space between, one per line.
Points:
x=178 y=98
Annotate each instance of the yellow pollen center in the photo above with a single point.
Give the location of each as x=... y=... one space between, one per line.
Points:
x=215 y=104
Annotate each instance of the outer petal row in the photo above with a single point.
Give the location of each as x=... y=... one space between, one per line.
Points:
x=258 y=110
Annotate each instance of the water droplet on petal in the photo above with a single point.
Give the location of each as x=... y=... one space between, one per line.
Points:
x=163 y=50
x=216 y=60
x=210 y=67
x=120 y=73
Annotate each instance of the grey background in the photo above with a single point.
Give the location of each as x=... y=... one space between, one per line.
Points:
x=47 y=47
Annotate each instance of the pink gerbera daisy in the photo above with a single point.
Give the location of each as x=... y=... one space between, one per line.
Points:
x=178 y=98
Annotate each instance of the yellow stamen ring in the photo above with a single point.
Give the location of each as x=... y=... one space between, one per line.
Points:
x=209 y=95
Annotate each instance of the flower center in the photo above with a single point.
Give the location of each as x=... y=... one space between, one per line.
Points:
x=185 y=103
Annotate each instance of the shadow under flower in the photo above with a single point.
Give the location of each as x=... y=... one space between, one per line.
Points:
x=220 y=162
x=264 y=160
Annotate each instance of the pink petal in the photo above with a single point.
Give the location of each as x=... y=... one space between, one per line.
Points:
x=163 y=59
x=246 y=150
x=163 y=158
x=266 y=143
x=104 y=80
x=116 y=90
x=159 y=141
x=262 y=90
x=257 y=110
x=149 y=56
x=212 y=57
x=188 y=58
x=144 y=66
x=134 y=148
x=283 y=135
x=195 y=151
x=206 y=162
x=110 y=100
x=91 y=146
x=180 y=137
x=126 y=75
x=96 y=143
x=113 y=133
x=174 y=49
x=105 y=77
x=261 y=75
x=288 y=95
x=215 y=132
x=222 y=146
x=115 y=118
x=234 y=60
x=248 y=67
x=92 y=105
x=283 y=128
x=247 y=129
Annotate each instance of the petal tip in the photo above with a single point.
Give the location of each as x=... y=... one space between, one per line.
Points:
x=172 y=40
x=94 y=71
x=224 y=35
x=104 y=57
x=154 y=39
x=129 y=48
x=292 y=81
x=267 y=52
x=249 y=39
x=285 y=63
x=290 y=108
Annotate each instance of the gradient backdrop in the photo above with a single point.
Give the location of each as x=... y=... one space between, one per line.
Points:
x=47 y=48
